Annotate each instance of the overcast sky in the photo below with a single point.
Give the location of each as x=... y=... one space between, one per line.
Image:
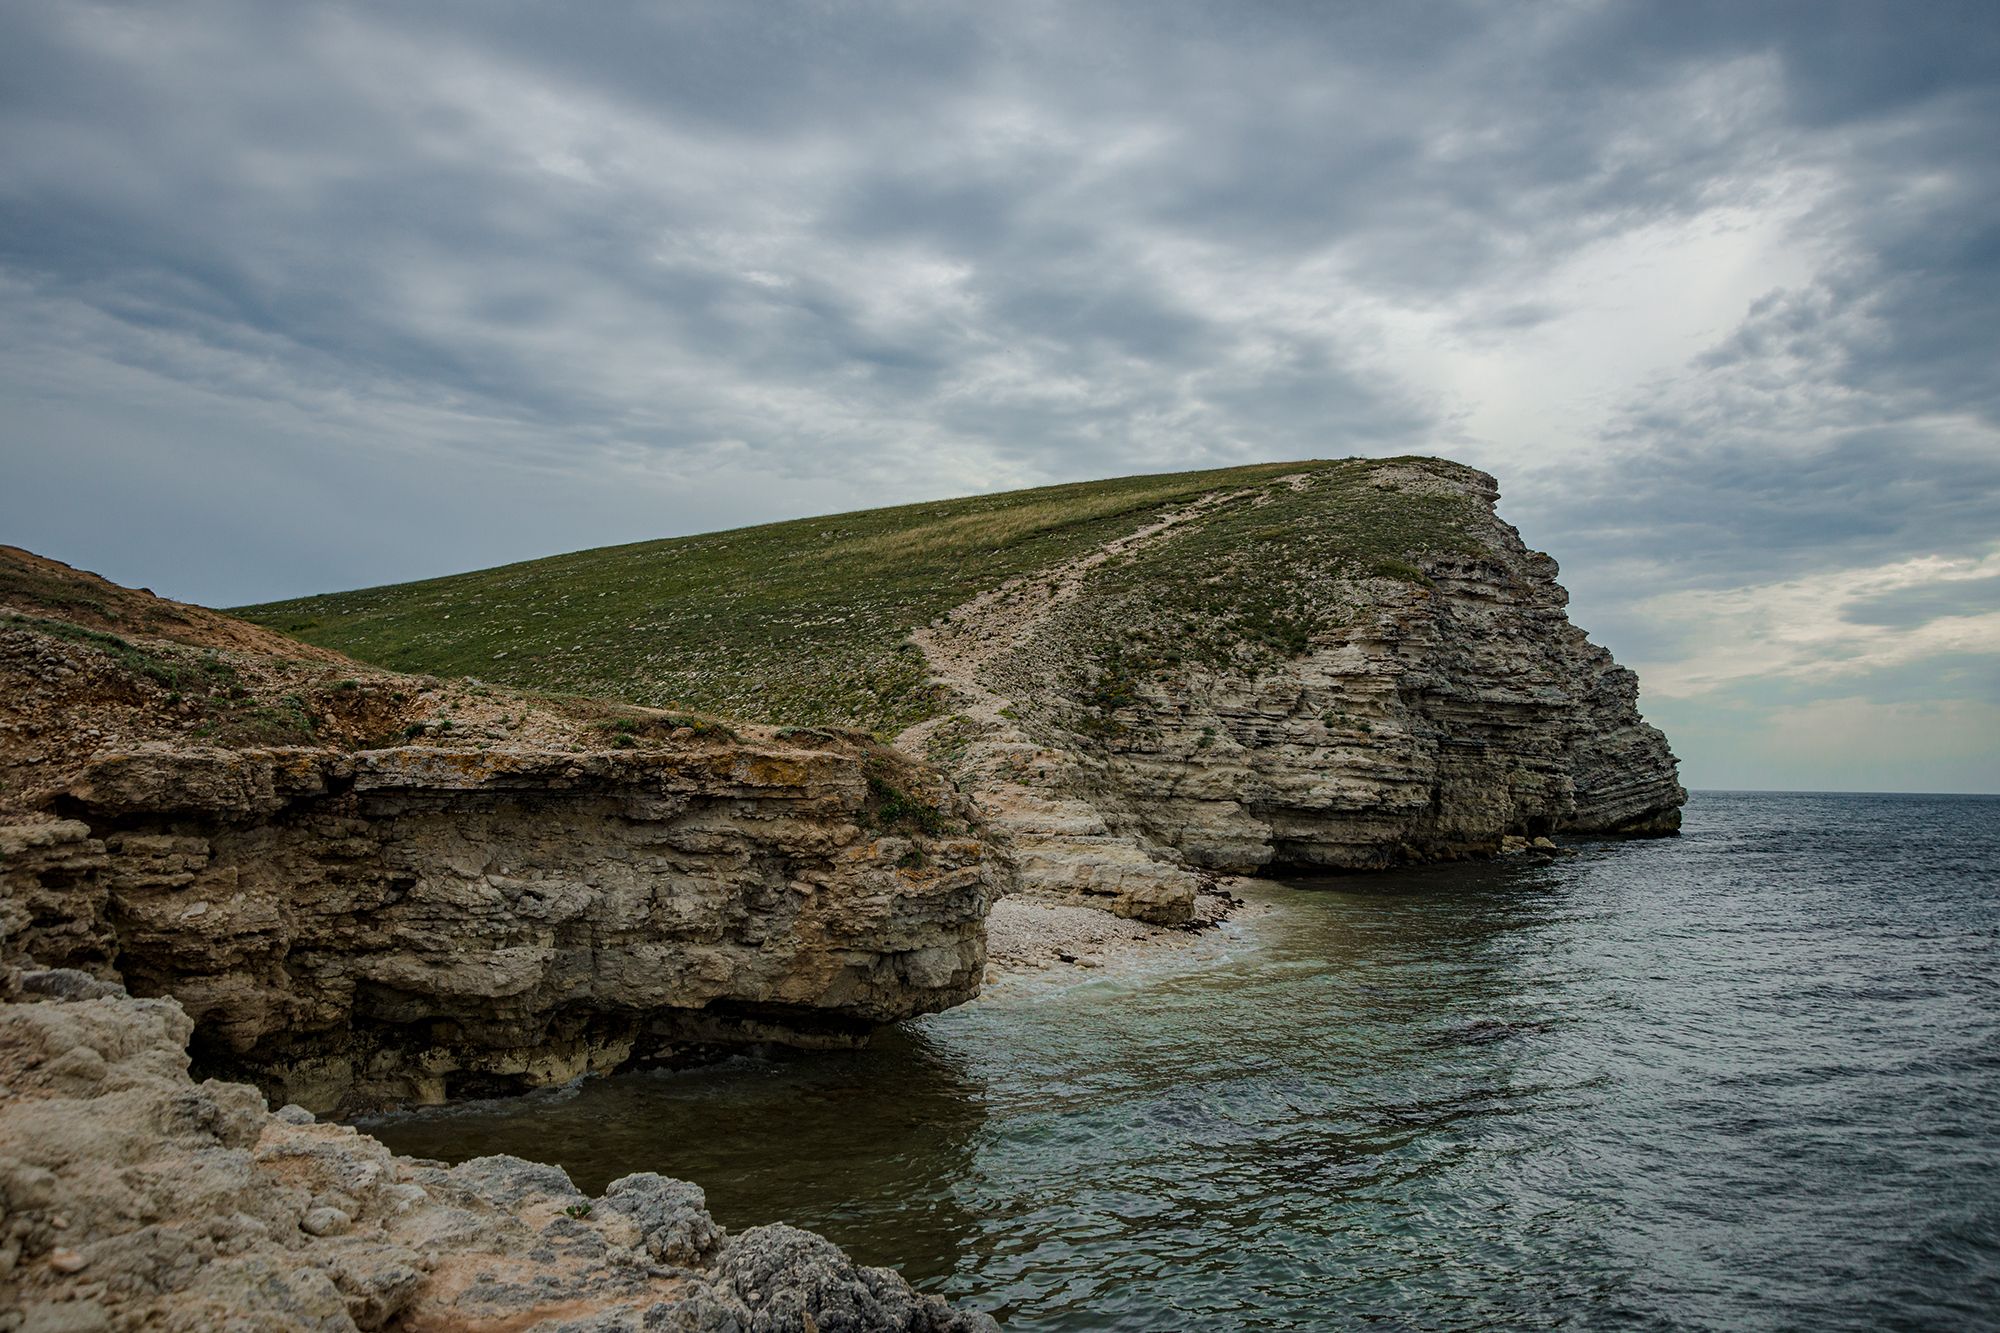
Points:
x=307 y=296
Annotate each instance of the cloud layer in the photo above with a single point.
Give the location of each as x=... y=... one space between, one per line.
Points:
x=299 y=297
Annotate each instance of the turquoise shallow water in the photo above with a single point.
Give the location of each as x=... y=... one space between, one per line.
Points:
x=1748 y=1078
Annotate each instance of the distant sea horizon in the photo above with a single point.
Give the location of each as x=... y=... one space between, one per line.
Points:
x=1831 y=791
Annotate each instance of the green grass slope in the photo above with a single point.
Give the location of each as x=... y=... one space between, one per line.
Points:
x=804 y=622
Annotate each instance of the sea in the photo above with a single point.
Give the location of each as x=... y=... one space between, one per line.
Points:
x=1745 y=1078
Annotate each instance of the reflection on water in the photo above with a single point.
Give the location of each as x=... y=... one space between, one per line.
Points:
x=1749 y=1078
x=869 y=1144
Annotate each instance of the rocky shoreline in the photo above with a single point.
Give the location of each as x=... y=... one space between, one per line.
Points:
x=354 y=931
x=370 y=889
x=133 y=1197
x=224 y=852
x=1030 y=938
x=1229 y=690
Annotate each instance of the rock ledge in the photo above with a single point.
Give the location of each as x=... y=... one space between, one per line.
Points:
x=134 y=1198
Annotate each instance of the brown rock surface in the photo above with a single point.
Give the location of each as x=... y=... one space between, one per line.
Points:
x=439 y=887
x=36 y=585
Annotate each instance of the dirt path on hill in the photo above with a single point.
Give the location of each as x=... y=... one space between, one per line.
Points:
x=972 y=634
x=1068 y=857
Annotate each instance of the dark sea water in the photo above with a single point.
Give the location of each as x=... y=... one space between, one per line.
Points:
x=1748 y=1078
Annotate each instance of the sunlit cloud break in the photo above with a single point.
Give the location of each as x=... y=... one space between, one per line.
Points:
x=1810 y=630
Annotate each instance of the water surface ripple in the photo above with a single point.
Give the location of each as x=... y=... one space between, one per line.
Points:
x=1744 y=1079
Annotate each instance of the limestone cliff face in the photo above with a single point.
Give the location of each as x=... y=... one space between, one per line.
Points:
x=1426 y=699
x=1452 y=717
x=136 y=1198
x=511 y=897
x=397 y=925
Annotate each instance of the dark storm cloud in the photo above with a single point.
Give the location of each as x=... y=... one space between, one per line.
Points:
x=1848 y=421
x=724 y=66
x=1919 y=606
x=644 y=269
x=1843 y=60
x=1730 y=514
x=1272 y=131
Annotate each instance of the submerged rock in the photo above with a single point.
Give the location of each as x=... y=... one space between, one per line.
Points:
x=132 y=1197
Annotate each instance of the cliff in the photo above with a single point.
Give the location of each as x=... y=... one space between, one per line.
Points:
x=368 y=888
x=1235 y=688
x=1316 y=666
x=354 y=887
x=403 y=888
x=132 y=1197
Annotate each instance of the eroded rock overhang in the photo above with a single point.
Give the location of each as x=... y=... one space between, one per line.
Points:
x=352 y=930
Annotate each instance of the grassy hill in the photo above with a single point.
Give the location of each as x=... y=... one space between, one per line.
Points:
x=804 y=622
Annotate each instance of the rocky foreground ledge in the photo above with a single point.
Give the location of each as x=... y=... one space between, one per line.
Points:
x=352 y=931
x=369 y=889
x=132 y=1197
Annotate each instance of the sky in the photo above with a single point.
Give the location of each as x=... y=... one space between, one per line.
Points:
x=311 y=296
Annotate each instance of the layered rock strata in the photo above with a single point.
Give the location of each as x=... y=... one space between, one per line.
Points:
x=353 y=930
x=511 y=897
x=134 y=1198
x=1032 y=791
x=1418 y=706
